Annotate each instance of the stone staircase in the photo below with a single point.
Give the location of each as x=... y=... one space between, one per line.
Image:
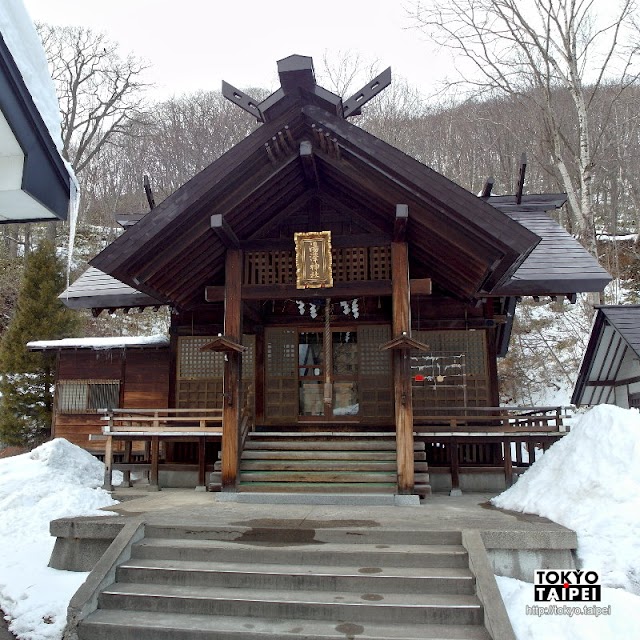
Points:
x=341 y=462
x=232 y=583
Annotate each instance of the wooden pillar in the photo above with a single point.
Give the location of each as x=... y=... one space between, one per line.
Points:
x=455 y=467
x=127 y=458
x=202 y=464
x=155 y=461
x=108 y=464
x=508 y=466
x=231 y=403
x=259 y=376
x=401 y=367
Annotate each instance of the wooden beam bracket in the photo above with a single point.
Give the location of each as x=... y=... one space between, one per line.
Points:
x=224 y=231
x=400 y=223
x=309 y=164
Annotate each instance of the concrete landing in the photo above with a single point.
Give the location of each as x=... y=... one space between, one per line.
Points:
x=516 y=543
x=438 y=512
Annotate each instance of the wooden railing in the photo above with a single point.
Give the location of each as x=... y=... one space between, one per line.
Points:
x=475 y=439
x=161 y=421
x=153 y=426
x=492 y=419
x=247 y=419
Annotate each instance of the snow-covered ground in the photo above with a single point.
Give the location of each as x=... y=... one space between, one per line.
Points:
x=56 y=480
x=590 y=482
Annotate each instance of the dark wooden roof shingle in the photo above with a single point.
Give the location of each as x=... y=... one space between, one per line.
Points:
x=559 y=264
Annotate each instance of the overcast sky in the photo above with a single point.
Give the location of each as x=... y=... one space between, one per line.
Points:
x=194 y=44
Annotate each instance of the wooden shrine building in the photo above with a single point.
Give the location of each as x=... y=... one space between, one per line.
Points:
x=323 y=282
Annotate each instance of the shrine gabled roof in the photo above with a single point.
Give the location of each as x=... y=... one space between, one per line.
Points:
x=454 y=237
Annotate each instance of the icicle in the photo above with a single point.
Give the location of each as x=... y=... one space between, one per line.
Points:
x=72 y=217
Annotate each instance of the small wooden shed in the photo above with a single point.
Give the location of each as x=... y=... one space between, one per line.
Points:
x=610 y=369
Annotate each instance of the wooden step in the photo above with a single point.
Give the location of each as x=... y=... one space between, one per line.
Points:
x=349 y=444
x=324 y=476
x=270 y=454
x=318 y=487
x=323 y=465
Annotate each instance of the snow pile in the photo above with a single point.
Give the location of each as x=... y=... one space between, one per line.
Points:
x=590 y=482
x=623 y=621
x=56 y=480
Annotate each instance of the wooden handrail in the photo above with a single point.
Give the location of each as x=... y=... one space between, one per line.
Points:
x=162 y=420
x=246 y=420
x=159 y=411
x=491 y=419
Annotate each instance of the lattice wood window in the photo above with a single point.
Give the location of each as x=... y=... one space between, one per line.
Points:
x=281 y=351
x=375 y=380
x=200 y=373
x=248 y=358
x=460 y=357
x=349 y=264
x=194 y=363
x=281 y=381
x=380 y=263
x=470 y=343
x=373 y=361
x=87 y=396
x=199 y=394
x=269 y=267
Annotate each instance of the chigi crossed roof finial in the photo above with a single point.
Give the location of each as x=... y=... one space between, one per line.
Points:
x=298 y=82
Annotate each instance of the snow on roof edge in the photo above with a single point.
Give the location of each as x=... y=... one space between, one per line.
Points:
x=99 y=343
x=23 y=41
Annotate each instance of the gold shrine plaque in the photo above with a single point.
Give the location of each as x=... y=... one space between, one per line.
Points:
x=313 y=260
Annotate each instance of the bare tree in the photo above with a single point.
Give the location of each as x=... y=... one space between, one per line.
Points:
x=100 y=92
x=538 y=52
x=346 y=71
